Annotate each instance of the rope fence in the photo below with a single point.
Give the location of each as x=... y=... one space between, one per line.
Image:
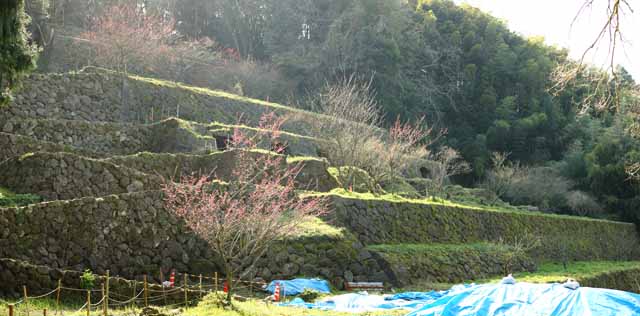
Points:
x=186 y=294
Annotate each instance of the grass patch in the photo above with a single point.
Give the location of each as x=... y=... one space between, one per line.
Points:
x=207 y=307
x=550 y=272
x=296 y=159
x=10 y=199
x=410 y=249
x=316 y=227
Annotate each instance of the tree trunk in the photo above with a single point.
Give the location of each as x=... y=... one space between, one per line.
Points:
x=229 y=273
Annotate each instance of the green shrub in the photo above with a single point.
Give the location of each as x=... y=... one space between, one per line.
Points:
x=309 y=295
x=87 y=280
x=10 y=199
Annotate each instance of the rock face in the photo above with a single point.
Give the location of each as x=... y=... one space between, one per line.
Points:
x=382 y=222
x=63 y=176
x=96 y=96
x=132 y=234
x=105 y=138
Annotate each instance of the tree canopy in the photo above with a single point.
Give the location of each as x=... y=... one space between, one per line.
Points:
x=17 y=55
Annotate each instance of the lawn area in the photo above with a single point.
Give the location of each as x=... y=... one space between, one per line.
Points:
x=206 y=307
x=554 y=272
x=549 y=272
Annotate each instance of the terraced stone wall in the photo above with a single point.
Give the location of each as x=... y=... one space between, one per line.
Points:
x=62 y=176
x=313 y=175
x=133 y=234
x=17 y=145
x=441 y=263
x=99 y=96
x=562 y=237
x=115 y=139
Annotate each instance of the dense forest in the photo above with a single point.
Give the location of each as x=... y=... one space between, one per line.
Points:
x=568 y=149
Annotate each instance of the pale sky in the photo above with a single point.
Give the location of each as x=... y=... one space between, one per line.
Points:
x=552 y=20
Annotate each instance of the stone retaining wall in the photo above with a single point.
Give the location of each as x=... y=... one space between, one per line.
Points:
x=441 y=263
x=108 y=138
x=312 y=176
x=133 y=234
x=40 y=280
x=63 y=176
x=562 y=237
x=100 y=96
x=17 y=145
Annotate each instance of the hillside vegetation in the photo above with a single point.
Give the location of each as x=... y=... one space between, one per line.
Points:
x=425 y=142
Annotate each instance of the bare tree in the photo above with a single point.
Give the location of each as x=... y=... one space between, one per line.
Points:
x=447 y=163
x=241 y=220
x=404 y=145
x=350 y=126
x=610 y=32
x=500 y=179
x=582 y=204
x=353 y=136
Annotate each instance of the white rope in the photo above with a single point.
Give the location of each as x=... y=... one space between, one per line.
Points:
x=43 y=295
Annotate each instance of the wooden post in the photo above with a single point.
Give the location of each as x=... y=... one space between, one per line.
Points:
x=26 y=299
x=106 y=295
x=164 y=293
x=10 y=309
x=104 y=301
x=146 y=292
x=44 y=312
x=58 y=295
x=88 y=302
x=186 y=297
x=135 y=285
x=215 y=277
x=200 y=286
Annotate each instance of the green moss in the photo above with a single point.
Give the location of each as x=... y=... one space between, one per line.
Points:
x=400 y=187
x=395 y=198
x=316 y=227
x=25 y=156
x=452 y=262
x=296 y=159
x=10 y=199
x=360 y=180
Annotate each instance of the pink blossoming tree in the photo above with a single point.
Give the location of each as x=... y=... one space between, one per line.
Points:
x=242 y=219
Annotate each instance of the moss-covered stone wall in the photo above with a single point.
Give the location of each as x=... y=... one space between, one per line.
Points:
x=17 y=145
x=312 y=176
x=63 y=176
x=562 y=237
x=442 y=263
x=106 y=138
x=100 y=96
x=133 y=234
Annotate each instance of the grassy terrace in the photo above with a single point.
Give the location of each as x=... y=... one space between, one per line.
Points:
x=435 y=249
x=548 y=272
x=394 y=198
x=554 y=272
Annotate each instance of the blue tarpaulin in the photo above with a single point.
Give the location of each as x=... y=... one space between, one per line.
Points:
x=525 y=299
x=520 y=299
x=296 y=286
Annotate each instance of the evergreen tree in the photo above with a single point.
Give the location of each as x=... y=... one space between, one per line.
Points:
x=17 y=55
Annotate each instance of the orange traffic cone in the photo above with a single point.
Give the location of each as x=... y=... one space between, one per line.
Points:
x=172 y=278
x=276 y=293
